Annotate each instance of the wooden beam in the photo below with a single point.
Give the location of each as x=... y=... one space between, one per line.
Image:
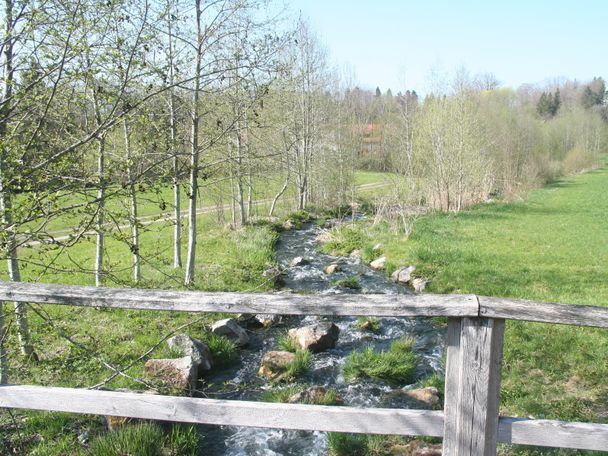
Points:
x=381 y=305
x=586 y=436
x=222 y=412
x=544 y=312
x=550 y=433
x=472 y=398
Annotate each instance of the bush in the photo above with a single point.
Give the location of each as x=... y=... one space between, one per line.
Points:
x=396 y=365
x=344 y=239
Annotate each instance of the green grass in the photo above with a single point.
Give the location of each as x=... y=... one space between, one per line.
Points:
x=300 y=366
x=552 y=247
x=396 y=365
x=350 y=282
x=341 y=444
x=371 y=324
x=283 y=394
x=223 y=350
x=286 y=343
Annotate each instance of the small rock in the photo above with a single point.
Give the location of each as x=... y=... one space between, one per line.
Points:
x=298 y=261
x=273 y=273
x=267 y=320
x=317 y=337
x=379 y=263
x=420 y=284
x=428 y=395
x=179 y=373
x=197 y=350
x=332 y=268
x=355 y=254
x=288 y=225
x=312 y=395
x=230 y=329
x=403 y=274
x=275 y=363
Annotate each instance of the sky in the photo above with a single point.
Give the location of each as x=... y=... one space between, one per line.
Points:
x=402 y=44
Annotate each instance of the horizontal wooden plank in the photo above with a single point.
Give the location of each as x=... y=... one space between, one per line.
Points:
x=550 y=433
x=381 y=305
x=221 y=412
x=586 y=436
x=565 y=314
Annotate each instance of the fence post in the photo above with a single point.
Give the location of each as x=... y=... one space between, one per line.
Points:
x=472 y=386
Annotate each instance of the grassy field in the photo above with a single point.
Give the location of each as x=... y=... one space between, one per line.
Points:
x=552 y=247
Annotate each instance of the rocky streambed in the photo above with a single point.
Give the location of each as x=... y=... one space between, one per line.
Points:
x=309 y=273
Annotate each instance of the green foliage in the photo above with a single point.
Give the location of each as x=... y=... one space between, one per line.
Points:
x=344 y=239
x=350 y=282
x=371 y=324
x=548 y=104
x=223 y=350
x=286 y=343
x=395 y=365
x=147 y=440
x=594 y=93
x=283 y=394
x=341 y=444
x=301 y=365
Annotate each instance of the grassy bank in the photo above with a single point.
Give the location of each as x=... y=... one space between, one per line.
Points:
x=552 y=247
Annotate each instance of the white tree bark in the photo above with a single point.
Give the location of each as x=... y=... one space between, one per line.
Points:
x=194 y=153
x=133 y=205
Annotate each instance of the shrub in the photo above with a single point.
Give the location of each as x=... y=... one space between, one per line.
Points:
x=344 y=239
x=396 y=365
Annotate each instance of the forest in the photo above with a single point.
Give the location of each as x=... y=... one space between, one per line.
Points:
x=130 y=132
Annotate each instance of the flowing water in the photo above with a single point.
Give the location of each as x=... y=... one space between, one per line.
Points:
x=241 y=382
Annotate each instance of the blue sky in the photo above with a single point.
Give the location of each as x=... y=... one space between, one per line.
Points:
x=397 y=44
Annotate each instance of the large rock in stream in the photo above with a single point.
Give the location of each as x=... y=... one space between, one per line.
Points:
x=403 y=274
x=317 y=337
x=197 y=350
x=177 y=373
x=231 y=329
x=275 y=364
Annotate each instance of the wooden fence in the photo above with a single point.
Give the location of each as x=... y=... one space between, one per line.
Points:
x=470 y=423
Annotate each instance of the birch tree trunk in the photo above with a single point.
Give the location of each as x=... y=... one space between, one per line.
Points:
x=14 y=273
x=194 y=154
x=133 y=204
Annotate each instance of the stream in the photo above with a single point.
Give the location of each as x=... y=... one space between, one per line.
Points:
x=241 y=382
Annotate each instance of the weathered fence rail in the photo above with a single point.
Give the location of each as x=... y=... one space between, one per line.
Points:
x=470 y=423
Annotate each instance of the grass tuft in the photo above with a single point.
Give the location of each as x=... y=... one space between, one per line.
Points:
x=395 y=365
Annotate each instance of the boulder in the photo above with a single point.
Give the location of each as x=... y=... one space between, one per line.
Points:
x=197 y=350
x=428 y=395
x=420 y=284
x=403 y=274
x=288 y=225
x=355 y=254
x=312 y=395
x=332 y=268
x=298 y=261
x=230 y=329
x=178 y=373
x=267 y=320
x=317 y=337
x=275 y=363
x=378 y=263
